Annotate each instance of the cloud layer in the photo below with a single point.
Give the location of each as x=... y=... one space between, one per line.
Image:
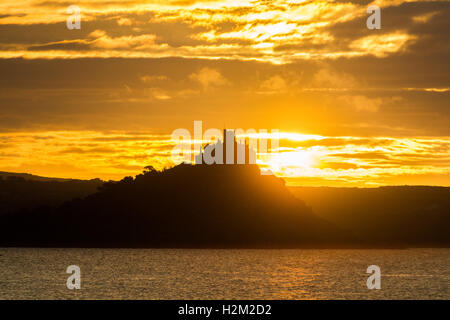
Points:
x=346 y=161
x=140 y=68
x=279 y=31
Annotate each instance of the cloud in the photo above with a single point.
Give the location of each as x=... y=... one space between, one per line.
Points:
x=108 y=76
x=424 y=18
x=278 y=32
x=159 y=94
x=338 y=165
x=113 y=155
x=382 y=45
x=365 y=155
x=275 y=84
x=153 y=78
x=140 y=42
x=326 y=77
x=208 y=78
x=362 y=103
x=124 y=22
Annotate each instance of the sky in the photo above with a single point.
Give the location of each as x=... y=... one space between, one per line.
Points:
x=356 y=107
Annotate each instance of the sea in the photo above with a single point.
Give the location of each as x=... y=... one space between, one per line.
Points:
x=35 y=273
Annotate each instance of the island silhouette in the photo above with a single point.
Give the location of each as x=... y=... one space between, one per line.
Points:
x=181 y=207
x=217 y=206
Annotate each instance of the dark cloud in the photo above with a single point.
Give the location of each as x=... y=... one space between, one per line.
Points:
x=108 y=93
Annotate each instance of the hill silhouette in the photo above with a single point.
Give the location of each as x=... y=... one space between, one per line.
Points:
x=401 y=215
x=31 y=177
x=19 y=191
x=184 y=206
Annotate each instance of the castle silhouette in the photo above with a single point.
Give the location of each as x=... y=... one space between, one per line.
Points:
x=227 y=152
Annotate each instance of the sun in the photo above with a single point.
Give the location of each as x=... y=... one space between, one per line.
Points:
x=300 y=159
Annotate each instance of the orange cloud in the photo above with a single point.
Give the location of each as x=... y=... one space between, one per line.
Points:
x=90 y=154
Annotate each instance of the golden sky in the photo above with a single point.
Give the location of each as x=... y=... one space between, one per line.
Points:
x=356 y=107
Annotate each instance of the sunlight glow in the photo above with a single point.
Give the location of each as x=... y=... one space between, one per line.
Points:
x=353 y=161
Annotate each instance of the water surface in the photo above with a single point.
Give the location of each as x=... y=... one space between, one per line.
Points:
x=28 y=273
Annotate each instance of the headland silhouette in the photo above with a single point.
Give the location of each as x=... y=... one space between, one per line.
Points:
x=209 y=206
x=184 y=206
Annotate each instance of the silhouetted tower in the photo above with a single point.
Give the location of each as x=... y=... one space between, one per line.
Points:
x=224 y=146
x=232 y=151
